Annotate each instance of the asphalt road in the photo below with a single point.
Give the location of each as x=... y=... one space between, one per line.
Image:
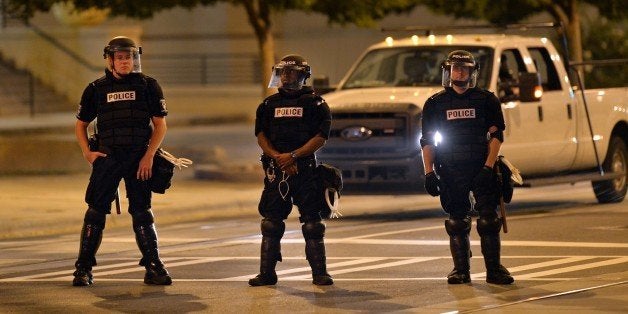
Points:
x=386 y=254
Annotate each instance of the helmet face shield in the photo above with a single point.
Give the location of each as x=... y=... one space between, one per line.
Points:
x=291 y=73
x=123 y=48
x=460 y=69
x=287 y=77
x=128 y=52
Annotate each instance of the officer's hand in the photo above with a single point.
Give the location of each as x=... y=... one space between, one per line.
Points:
x=291 y=170
x=432 y=184
x=145 y=169
x=484 y=179
x=92 y=156
x=284 y=160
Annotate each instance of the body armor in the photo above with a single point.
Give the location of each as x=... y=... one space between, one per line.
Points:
x=463 y=127
x=292 y=120
x=123 y=115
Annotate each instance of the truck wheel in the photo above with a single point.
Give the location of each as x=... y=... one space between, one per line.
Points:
x=613 y=191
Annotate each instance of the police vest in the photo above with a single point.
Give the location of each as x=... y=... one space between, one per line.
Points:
x=291 y=120
x=462 y=124
x=123 y=115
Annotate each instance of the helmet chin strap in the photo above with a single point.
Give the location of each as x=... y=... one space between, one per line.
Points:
x=460 y=83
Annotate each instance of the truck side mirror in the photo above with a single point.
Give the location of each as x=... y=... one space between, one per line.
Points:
x=530 y=88
x=321 y=85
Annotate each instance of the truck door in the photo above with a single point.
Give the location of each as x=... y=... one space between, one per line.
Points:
x=556 y=113
x=521 y=122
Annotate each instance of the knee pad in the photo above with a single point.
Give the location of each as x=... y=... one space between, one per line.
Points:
x=489 y=225
x=458 y=226
x=94 y=217
x=273 y=228
x=143 y=218
x=313 y=230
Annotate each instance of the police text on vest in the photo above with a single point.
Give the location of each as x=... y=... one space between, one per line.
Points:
x=120 y=96
x=289 y=112
x=461 y=114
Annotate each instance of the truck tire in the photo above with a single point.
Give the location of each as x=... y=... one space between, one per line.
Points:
x=613 y=191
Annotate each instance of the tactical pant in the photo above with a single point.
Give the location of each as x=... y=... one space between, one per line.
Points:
x=281 y=192
x=456 y=183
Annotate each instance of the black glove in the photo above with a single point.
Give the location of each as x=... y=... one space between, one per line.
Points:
x=432 y=184
x=484 y=179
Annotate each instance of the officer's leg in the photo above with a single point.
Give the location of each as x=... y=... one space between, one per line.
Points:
x=489 y=226
x=91 y=236
x=309 y=198
x=272 y=232
x=275 y=209
x=458 y=230
x=454 y=198
x=100 y=193
x=146 y=238
x=314 y=233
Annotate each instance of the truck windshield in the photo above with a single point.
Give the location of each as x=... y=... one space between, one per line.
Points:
x=412 y=66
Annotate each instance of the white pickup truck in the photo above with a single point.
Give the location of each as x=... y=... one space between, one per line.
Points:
x=551 y=135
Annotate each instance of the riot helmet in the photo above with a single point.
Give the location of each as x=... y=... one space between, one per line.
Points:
x=290 y=73
x=123 y=44
x=463 y=63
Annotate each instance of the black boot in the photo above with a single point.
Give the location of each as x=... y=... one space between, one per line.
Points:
x=270 y=254
x=458 y=230
x=496 y=273
x=315 y=254
x=146 y=238
x=460 y=252
x=91 y=237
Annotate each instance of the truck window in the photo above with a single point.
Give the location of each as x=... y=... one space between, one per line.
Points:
x=412 y=66
x=545 y=67
x=510 y=65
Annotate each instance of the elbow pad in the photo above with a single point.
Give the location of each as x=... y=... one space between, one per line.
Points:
x=426 y=141
x=499 y=134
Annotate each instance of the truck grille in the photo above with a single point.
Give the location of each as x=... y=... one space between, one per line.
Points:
x=368 y=134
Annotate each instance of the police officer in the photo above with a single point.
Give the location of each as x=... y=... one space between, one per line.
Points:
x=290 y=126
x=462 y=132
x=125 y=102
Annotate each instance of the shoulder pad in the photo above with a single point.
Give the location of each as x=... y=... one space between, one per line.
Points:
x=272 y=98
x=313 y=98
x=100 y=81
x=438 y=94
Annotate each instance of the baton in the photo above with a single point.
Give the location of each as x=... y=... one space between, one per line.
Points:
x=502 y=206
x=118 y=201
x=502 y=210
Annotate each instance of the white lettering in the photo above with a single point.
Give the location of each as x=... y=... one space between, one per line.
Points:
x=120 y=96
x=460 y=114
x=289 y=112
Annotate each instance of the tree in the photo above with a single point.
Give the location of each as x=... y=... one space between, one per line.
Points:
x=566 y=12
x=358 y=12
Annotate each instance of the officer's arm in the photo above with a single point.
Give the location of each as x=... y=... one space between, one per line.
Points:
x=80 y=130
x=145 y=168
x=427 y=152
x=310 y=147
x=264 y=143
x=493 y=150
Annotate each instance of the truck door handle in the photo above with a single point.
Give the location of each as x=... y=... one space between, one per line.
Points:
x=540 y=110
x=569 y=111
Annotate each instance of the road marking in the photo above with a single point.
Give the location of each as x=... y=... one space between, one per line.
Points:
x=444 y=242
x=341 y=265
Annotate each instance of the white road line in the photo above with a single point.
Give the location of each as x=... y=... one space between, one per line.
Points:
x=370 y=267
x=619 y=260
x=307 y=269
x=562 y=261
x=445 y=242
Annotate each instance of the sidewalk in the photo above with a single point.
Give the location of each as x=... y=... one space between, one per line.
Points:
x=51 y=202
